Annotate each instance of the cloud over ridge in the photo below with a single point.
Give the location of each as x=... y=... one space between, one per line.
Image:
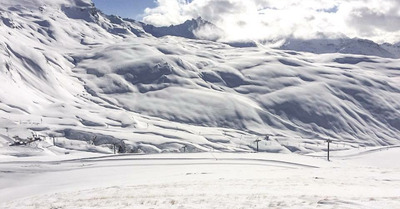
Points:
x=378 y=20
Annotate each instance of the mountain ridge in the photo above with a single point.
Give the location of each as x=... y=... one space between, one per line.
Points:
x=191 y=29
x=80 y=74
x=342 y=45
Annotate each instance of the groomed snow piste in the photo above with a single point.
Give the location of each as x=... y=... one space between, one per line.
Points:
x=365 y=178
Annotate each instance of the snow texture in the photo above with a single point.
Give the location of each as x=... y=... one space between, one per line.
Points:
x=354 y=179
x=90 y=85
x=68 y=71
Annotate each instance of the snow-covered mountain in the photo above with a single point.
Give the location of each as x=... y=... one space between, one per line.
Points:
x=191 y=29
x=343 y=46
x=392 y=48
x=67 y=70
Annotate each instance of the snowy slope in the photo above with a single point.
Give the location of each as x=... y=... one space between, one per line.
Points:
x=69 y=71
x=392 y=48
x=341 y=45
x=205 y=180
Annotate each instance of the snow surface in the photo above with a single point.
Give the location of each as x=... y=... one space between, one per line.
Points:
x=205 y=180
x=91 y=84
x=341 y=45
x=68 y=71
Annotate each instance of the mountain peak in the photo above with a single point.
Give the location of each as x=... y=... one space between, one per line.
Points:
x=199 y=21
x=196 y=28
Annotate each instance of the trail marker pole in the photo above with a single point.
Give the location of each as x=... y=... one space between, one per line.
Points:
x=329 y=141
x=257 y=141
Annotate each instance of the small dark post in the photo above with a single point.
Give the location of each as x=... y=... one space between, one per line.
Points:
x=114 y=148
x=54 y=141
x=257 y=141
x=184 y=148
x=329 y=141
x=94 y=140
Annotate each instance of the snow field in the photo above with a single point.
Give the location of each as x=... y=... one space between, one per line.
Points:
x=90 y=80
x=204 y=180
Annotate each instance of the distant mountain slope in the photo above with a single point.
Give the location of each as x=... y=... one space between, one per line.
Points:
x=192 y=29
x=392 y=48
x=67 y=70
x=343 y=46
x=323 y=95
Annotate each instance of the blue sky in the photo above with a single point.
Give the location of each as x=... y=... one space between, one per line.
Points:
x=125 y=8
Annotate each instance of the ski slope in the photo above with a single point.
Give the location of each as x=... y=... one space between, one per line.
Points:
x=211 y=180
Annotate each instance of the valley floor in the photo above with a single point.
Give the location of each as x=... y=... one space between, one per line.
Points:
x=355 y=179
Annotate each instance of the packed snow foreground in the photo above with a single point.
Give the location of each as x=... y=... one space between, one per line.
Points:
x=77 y=86
x=367 y=178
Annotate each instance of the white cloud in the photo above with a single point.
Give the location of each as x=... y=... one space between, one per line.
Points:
x=378 y=20
x=168 y=12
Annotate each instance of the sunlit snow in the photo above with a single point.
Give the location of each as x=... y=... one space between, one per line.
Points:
x=90 y=85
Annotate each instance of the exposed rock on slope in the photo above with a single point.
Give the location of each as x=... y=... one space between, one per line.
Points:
x=192 y=29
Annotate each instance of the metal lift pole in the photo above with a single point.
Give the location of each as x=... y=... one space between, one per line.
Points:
x=329 y=141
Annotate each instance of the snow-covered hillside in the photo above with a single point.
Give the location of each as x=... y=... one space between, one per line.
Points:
x=392 y=48
x=343 y=46
x=69 y=71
